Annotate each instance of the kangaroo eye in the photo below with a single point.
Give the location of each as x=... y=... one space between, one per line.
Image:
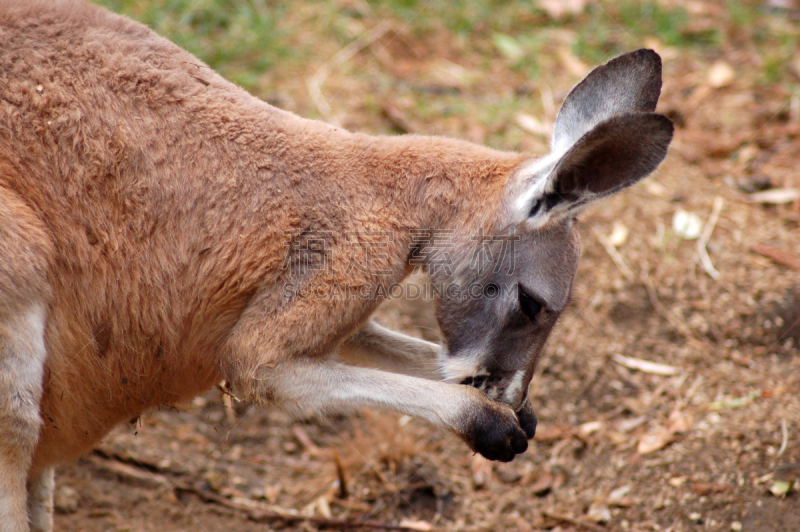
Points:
x=529 y=305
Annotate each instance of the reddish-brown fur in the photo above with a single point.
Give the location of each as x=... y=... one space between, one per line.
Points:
x=153 y=218
x=154 y=197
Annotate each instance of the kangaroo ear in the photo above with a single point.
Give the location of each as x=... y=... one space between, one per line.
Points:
x=627 y=84
x=615 y=154
x=606 y=138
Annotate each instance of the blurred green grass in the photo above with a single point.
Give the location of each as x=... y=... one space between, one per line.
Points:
x=241 y=39
x=478 y=63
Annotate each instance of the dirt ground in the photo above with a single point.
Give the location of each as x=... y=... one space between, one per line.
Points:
x=710 y=440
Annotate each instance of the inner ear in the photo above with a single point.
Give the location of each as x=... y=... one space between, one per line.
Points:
x=613 y=155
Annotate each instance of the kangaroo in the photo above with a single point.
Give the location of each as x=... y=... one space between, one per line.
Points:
x=162 y=230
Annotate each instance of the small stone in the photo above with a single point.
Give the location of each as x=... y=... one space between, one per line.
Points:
x=687 y=225
x=599 y=513
x=721 y=74
x=736 y=526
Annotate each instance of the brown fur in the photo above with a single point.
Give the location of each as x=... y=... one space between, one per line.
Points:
x=149 y=208
x=161 y=194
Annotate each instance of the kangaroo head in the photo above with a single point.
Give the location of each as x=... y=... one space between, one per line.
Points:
x=606 y=138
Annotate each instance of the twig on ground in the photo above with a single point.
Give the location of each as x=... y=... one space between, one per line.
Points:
x=254 y=510
x=702 y=243
x=618 y=260
x=784 y=437
x=163 y=467
x=131 y=472
x=645 y=366
x=343 y=492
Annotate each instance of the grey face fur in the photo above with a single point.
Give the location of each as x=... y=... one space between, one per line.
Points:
x=498 y=329
x=606 y=138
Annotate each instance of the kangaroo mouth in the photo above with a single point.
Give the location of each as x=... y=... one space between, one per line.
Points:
x=507 y=391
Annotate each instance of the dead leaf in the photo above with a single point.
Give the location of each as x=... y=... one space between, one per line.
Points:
x=781 y=488
x=619 y=497
x=589 y=428
x=677 y=481
x=667 y=53
x=654 y=441
x=707 y=488
x=679 y=421
x=627 y=425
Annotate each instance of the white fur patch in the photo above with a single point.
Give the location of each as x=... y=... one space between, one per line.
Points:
x=514 y=391
x=330 y=387
x=535 y=184
x=28 y=341
x=22 y=358
x=456 y=369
